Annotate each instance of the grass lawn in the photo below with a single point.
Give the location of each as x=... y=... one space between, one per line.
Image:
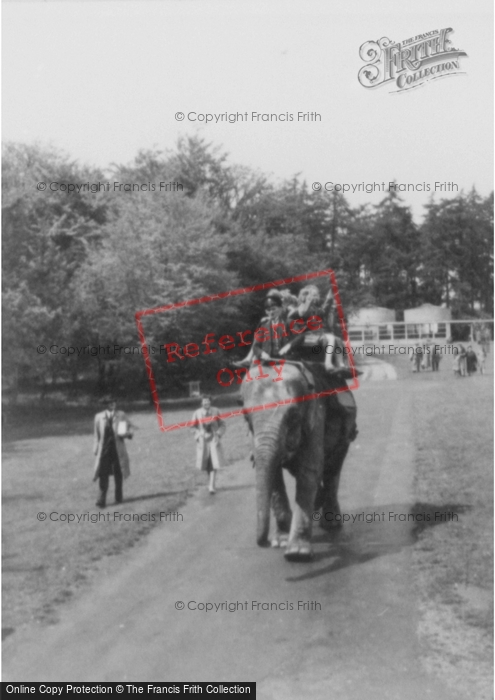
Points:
x=453 y=564
x=453 y=424
x=48 y=467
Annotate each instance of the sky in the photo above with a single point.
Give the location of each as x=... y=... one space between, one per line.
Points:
x=103 y=80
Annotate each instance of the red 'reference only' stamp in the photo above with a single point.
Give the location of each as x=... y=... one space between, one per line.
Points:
x=173 y=352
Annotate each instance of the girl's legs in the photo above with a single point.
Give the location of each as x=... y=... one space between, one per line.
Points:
x=212 y=475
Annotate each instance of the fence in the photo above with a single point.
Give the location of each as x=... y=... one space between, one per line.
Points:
x=405 y=333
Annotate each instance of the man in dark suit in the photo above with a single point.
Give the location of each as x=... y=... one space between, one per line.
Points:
x=111 y=428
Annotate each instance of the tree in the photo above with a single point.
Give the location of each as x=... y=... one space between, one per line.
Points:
x=390 y=255
x=46 y=234
x=457 y=260
x=155 y=252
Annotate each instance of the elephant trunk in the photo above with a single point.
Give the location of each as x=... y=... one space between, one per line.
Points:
x=267 y=463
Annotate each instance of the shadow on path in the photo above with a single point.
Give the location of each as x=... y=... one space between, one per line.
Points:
x=159 y=494
x=361 y=541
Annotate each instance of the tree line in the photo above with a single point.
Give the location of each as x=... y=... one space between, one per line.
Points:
x=77 y=267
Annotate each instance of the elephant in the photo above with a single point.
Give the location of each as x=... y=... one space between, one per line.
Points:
x=309 y=438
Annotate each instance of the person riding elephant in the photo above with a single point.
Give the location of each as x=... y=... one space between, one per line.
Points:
x=276 y=315
x=309 y=306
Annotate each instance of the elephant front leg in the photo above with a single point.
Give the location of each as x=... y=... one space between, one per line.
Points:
x=281 y=511
x=299 y=545
x=308 y=476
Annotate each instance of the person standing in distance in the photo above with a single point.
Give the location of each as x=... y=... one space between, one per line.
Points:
x=112 y=427
x=209 y=453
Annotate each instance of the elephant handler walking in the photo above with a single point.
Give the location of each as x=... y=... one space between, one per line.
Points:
x=209 y=453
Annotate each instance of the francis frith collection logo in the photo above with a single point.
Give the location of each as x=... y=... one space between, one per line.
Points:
x=410 y=63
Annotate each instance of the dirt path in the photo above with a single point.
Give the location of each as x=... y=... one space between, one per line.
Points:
x=360 y=644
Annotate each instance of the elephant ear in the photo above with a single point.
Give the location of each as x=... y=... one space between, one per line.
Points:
x=313 y=410
x=294 y=429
